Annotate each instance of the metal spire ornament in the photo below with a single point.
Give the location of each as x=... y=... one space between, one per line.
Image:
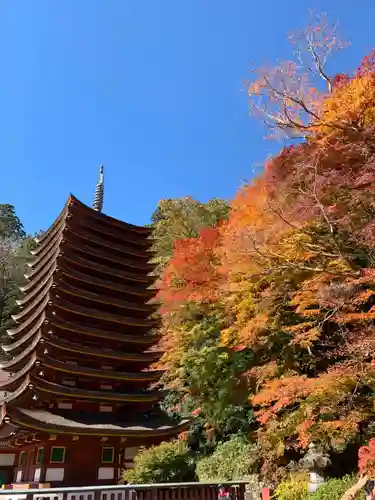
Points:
x=99 y=191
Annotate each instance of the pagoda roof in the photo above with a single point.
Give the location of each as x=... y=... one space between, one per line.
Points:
x=63 y=345
x=87 y=302
x=96 y=218
x=37 y=385
x=10 y=382
x=102 y=424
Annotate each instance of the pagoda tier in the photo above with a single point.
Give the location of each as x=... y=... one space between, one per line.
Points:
x=79 y=355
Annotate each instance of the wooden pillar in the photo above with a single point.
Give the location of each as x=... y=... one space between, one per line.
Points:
x=45 y=461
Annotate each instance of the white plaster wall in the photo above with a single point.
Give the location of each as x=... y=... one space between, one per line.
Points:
x=7 y=459
x=55 y=474
x=106 y=473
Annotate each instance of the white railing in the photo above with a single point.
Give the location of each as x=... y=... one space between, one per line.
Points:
x=165 y=491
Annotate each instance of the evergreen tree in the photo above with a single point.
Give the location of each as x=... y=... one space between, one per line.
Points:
x=15 y=248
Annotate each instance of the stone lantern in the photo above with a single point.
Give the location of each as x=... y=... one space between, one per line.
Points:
x=315 y=461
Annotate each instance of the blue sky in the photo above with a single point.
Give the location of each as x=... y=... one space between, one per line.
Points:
x=153 y=88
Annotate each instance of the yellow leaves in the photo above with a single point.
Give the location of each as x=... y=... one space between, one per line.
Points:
x=309 y=312
x=300 y=327
x=263 y=373
x=280 y=448
x=306 y=339
x=305 y=334
x=228 y=337
x=251 y=332
x=349 y=106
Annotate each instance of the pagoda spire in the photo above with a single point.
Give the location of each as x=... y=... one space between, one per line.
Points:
x=99 y=191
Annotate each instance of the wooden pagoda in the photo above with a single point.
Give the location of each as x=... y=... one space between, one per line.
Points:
x=77 y=399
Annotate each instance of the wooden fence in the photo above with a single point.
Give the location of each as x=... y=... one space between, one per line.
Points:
x=168 y=491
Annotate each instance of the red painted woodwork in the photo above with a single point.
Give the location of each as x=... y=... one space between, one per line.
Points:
x=79 y=354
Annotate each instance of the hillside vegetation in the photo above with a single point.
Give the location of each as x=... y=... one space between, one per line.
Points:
x=268 y=314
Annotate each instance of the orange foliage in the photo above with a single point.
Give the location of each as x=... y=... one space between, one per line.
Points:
x=366 y=458
x=191 y=274
x=291 y=276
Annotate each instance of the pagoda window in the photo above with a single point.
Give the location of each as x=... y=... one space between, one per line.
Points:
x=57 y=455
x=40 y=456
x=21 y=458
x=108 y=455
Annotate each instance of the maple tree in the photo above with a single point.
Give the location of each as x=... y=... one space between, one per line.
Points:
x=181 y=218
x=270 y=314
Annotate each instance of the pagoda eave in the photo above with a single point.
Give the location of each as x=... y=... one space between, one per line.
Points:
x=137 y=377
x=60 y=327
x=61 y=345
x=85 y=312
x=52 y=423
x=33 y=387
x=22 y=341
x=40 y=385
x=72 y=291
x=35 y=365
x=29 y=322
x=19 y=361
x=75 y=260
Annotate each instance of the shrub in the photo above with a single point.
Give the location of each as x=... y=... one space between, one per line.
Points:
x=167 y=462
x=292 y=490
x=333 y=489
x=233 y=459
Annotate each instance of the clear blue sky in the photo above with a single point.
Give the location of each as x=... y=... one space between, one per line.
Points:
x=150 y=87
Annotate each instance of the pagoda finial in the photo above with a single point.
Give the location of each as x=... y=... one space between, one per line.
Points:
x=99 y=191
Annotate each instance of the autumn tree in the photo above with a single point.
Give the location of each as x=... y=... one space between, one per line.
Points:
x=202 y=375
x=288 y=96
x=181 y=218
x=271 y=312
x=298 y=256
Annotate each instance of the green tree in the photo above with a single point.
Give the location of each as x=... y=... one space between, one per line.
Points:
x=10 y=225
x=15 y=249
x=166 y=463
x=179 y=218
x=235 y=459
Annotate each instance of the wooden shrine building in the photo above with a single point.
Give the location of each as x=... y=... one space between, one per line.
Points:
x=77 y=399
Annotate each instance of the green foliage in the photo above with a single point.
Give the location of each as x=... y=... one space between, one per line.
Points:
x=175 y=219
x=209 y=376
x=166 y=463
x=14 y=251
x=333 y=489
x=292 y=490
x=232 y=460
x=10 y=224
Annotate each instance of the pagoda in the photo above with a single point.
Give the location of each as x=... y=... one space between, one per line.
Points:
x=78 y=393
